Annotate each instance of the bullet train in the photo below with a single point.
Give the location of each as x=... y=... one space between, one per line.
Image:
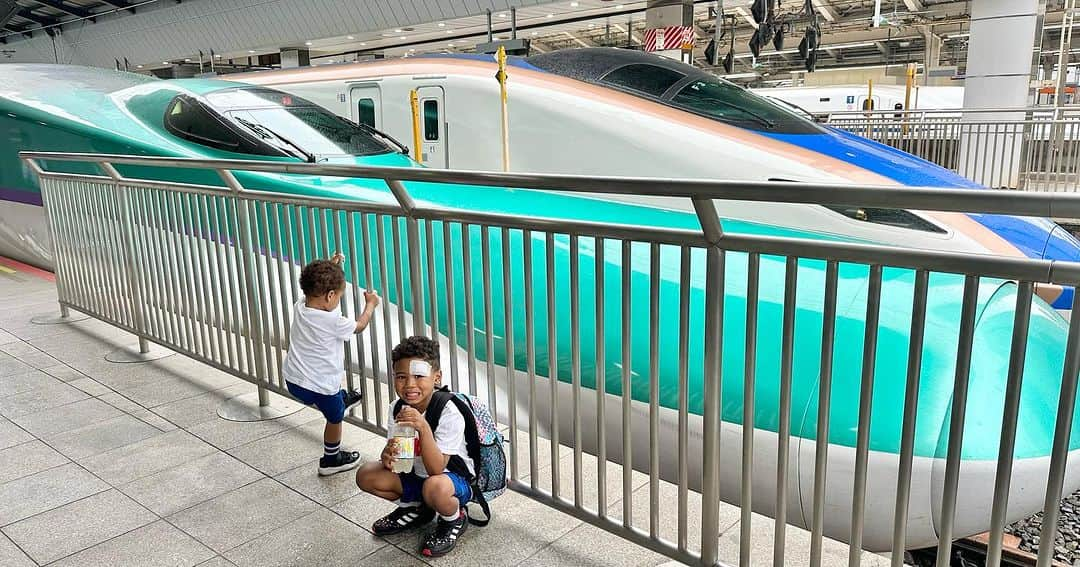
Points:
x=843 y=98
x=74 y=109
x=608 y=111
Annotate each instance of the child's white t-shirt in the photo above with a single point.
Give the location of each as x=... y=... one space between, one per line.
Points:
x=316 y=357
x=450 y=437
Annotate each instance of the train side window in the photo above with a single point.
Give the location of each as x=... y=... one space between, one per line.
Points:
x=649 y=79
x=195 y=123
x=365 y=112
x=431 y=120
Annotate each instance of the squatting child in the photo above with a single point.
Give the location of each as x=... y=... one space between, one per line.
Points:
x=439 y=482
x=315 y=362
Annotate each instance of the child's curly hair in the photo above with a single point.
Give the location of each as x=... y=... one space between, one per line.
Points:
x=417 y=347
x=321 y=277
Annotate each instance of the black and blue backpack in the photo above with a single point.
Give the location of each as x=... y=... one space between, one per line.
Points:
x=484 y=443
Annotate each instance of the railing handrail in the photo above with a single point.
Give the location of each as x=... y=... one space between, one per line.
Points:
x=1039 y=110
x=921 y=198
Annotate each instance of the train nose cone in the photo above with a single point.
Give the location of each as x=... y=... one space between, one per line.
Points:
x=983 y=420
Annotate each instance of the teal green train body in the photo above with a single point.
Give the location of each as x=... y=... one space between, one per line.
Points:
x=71 y=109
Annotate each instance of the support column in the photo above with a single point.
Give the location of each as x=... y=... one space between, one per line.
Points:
x=933 y=44
x=998 y=76
x=292 y=57
x=666 y=25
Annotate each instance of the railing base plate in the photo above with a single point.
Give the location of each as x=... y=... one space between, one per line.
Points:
x=130 y=354
x=246 y=407
x=58 y=319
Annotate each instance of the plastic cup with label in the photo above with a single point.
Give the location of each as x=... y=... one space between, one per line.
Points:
x=405 y=442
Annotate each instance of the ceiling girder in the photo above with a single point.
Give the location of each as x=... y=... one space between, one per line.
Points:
x=70 y=10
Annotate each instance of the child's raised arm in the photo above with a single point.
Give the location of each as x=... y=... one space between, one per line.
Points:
x=371 y=301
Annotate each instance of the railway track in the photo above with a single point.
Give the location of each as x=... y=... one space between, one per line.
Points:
x=971 y=552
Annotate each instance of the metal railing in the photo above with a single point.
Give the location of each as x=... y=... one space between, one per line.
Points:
x=210 y=271
x=1027 y=149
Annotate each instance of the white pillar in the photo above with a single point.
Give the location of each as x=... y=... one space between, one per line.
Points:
x=663 y=15
x=998 y=76
x=294 y=57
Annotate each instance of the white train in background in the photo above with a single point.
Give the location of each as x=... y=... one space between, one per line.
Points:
x=842 y=98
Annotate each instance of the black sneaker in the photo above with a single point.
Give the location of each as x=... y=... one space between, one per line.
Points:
x=352 y=397
x=402 y=519
x=444 y=537
x=340 y=462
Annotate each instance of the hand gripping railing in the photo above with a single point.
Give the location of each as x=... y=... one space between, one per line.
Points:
x=210 y=271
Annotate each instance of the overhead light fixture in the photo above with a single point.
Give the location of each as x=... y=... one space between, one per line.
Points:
x=187 y=60
x=398 y=30
x=217 y=56
x=502 y=14
x=618 y=6
x=592 y=25
x=404 y=37
x=956 y=35
x=449 y=31
x=251 y=51
x=349 y=37
x=451 y=44
x=573 y=4
x=138 y=66
x=442 y=24
x=741 y=76
x=550 y=16
x=362 y=43
x=534 y=33
x=166 y=63
x=307 y=43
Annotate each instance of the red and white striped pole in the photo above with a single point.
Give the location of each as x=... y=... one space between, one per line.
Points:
x=669 y=28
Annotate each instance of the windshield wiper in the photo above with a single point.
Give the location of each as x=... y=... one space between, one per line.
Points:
x=402 y=147
x=759 y=118
x=268 y=133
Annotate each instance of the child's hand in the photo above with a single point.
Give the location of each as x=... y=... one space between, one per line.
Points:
x=389 y=454
x=409 y=416
x=371 y=298
x=337 y=259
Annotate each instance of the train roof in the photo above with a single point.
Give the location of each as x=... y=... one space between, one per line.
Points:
x=590 y=64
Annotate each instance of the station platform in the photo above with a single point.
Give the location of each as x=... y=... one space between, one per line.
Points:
x=106 y=464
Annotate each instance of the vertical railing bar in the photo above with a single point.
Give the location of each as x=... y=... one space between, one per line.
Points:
x=828 y=331
x=257 y=294
x=280 y=289
x=684 y=398
x=530 y=352
x=511 y=362
x=171 y=307
x=956 y=421
x=202 y=291
x=108 y=304
x=470 y=316
x=1059 y=454
x=911 y=407
x=489 y=332
x=191 y=280
x=323 y=233
x=290 y=287
x=373 y=329
x=261 y=229
x=575 y=363
x=360 y=305
x=1017 y=354
x=654 y=390
x=791 y=273
x=866 y=395
x=432 y=291
x=399 y=284
x=138 y=258
x=627 y=393
x=231 y=293
x=451 y=309
x=243 y=271
x=62 y=233
x=552 y=363
x=349 y=304
x=57 y=236
x=600 y=381
x=753 y=276
x=68 y=201
x=388 y=345
x=104 y=248
x=118 y=252
x=711 y=406
x=182 y=269
x=209 y=281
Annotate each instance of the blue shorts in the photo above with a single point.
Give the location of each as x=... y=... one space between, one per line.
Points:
x=412 y=487
x=332 y=406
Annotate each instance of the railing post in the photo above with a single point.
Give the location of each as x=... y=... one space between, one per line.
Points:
x=128 y=252
x=413 y=235
x=254 y=298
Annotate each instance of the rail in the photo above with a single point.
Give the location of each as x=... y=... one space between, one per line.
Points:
x=554 y=337
x=1032 y=149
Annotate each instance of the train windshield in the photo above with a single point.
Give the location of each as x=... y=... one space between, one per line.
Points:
x=729 y=103
x=295 y=125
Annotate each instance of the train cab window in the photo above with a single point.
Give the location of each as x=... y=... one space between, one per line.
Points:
x=365 y=112
x=648 y=79
x=192 y=121
x=898 y=218
x=431 y=120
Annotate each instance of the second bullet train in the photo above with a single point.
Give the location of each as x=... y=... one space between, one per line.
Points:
x=607 y=111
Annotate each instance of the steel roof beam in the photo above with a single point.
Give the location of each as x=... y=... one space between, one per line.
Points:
x=826 y=10
x=914 y=5
x=70 y=10
x=26 y=14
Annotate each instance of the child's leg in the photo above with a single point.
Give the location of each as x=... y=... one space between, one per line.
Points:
x=373 y=478
x=439 y=494
x=332 y=434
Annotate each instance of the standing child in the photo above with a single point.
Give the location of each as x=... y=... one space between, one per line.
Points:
x=441 y=477
x=315 y=362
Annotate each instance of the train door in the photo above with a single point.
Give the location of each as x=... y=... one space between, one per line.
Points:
x=872 y=103
x=366 y=105
x=432 y=127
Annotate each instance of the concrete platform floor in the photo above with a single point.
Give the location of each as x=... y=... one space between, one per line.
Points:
x=128 y=464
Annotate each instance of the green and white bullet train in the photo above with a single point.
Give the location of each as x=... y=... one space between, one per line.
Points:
x=73 y=109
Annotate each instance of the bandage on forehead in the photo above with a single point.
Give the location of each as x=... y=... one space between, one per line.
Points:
x=419 y=368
